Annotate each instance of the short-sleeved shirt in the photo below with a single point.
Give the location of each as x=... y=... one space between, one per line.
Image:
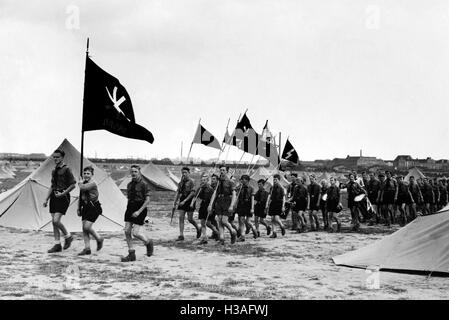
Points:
x=390 y=186
x=261 y=198
x=300 y=193
x=373 y=188
x=245 y=194
x=354 y=189
x=205 y=195
x=314 y=191
x=90 y=193
x=277 y=193
x=436 y=191
x=414 y=190
x=137 y=190
x=443 y=193
x=225 y=187
x=402 y=189
x=365 y=183
x=62 y=178
x=427 y=192
x=291 y=189
x=186 y=187
x=333 y=193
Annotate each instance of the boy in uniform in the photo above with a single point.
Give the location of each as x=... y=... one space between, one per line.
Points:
x=245 y=207
x=417 y=198
x=183 y=198
x=138 y=194
x=223 y=204
x=333 y=201
x=314 y=190
x=204 y=197
x=62 y=182
x=276 y=205
x=260 y=199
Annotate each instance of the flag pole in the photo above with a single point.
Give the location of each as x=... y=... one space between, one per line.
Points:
x=230 y=137
x=221 y=149
x=191 y=145
x=82 y=124
x=82 y=113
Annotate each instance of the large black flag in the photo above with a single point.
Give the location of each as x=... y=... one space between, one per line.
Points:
x=245 y=137
x=204 y=137
x=267 y=147
x=108 y=106
x=290 y=153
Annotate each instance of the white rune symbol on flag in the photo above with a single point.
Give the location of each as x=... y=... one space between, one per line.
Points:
x=116 y=102
x=289 y=154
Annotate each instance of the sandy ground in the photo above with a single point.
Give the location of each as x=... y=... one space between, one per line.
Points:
x=297 y=266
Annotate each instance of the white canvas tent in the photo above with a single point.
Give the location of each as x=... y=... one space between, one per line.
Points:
x=21 y=207
x=5 y=174
x=6 y=166
x=414 y=172
x=172 y=176
x=422 y=245
x=155 y=177
x=263 y=173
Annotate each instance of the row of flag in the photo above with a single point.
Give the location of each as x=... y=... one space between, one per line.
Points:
x=107 y=106
x=245 y=138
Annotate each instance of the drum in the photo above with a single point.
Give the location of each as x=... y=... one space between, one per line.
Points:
x=359 y=198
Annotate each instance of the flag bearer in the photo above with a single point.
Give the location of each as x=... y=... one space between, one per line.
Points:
x=204 y=197
x=223 y=204
x=90 y=210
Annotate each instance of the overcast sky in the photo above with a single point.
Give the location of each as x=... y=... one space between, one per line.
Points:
x=335 y=76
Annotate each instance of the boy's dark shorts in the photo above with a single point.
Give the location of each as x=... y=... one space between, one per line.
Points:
x=202 y=213
x=59 y=205
x=260 y=212
x=133 y=207
x=222 y=205
x=186 y=207
x=275 y=209
x=300 y=205
x=90 y=211
x=244 y=211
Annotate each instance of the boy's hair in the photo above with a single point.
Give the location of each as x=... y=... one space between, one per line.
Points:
x=89 y=168
x=245 y=177
x=226 y=167
x=185 y=169
x=205 y=175
x=135 y=166
x=61 y=152
x=277 y=176
x=262 y=181
x=214 y=175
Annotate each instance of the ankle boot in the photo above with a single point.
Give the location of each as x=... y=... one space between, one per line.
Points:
x=130 y=257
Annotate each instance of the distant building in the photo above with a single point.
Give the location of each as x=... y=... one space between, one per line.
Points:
x=405 y=162
x=358 y=161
